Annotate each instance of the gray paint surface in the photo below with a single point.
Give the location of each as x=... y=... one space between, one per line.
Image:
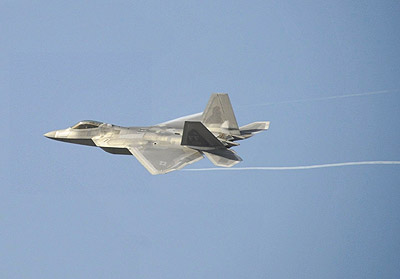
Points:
x=171 y=145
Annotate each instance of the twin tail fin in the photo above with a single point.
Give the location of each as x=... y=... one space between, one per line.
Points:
x=197 y=136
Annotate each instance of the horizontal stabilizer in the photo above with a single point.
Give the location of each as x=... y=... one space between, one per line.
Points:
x=197 y=136
x=251 y=129
x=223 y=157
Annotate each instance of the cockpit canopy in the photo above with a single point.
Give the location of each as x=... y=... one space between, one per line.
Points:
x=87 y=124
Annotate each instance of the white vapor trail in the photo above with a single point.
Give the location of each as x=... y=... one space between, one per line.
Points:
x=301 y=167
x=324 y=98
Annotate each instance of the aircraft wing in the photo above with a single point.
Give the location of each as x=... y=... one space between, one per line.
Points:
x=178 y=123
x=162 y=159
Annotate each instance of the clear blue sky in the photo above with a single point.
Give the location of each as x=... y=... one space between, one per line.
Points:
x=70 y=211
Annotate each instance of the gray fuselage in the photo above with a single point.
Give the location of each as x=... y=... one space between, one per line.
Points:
x=170 y=145
x=113 y=139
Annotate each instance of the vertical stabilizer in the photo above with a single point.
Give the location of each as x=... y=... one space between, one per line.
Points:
x=197 y=136
x=218 y=115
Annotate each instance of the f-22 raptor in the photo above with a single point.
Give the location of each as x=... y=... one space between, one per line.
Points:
x=173 y=144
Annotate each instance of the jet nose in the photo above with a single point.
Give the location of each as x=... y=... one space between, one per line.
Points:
x=50 y=135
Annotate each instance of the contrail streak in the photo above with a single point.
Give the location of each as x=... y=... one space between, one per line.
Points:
x=323 y=98
x=301 y=167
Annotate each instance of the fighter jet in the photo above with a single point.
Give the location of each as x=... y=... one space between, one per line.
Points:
x=171 y=145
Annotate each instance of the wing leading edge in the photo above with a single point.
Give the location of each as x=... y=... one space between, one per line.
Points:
x=179 y=122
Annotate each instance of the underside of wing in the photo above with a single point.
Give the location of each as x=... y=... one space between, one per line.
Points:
x=178 y=123
x=162 y=159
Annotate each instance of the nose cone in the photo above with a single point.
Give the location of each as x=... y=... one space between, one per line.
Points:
x=50 y=135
